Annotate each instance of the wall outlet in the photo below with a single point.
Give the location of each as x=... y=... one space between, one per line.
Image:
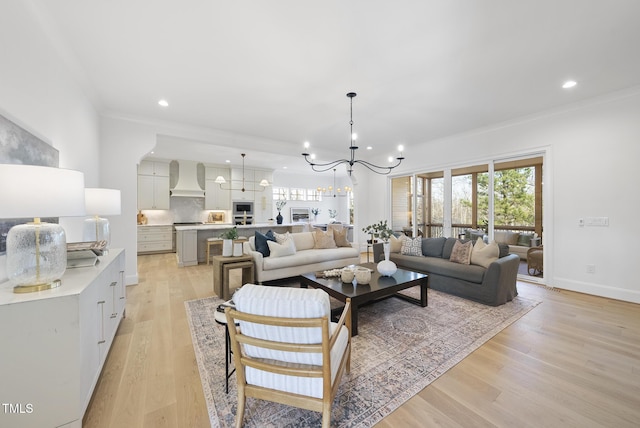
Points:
x=591 y=268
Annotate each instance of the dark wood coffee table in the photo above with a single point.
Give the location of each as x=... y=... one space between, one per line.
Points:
x=361 y=294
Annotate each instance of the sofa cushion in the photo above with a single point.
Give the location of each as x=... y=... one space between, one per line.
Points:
x=484 y=254
x=504 y=250
x=524 y=239
x=433 y=247
x=506 y=237
x=303 y=240
x=324 y=240
x=340 y=238
x=461 y=252
x=308 y=257
x=412 y=247
x=396 y=243
x=448 y=246
x=281 y=237
x=288 y=248
x=441 y=267
x=260 y=242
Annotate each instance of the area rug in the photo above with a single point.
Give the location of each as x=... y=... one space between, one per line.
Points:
x=400 y=349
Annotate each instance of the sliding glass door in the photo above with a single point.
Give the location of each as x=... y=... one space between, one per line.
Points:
x=501 y=200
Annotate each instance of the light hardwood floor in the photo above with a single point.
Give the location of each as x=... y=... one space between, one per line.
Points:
x=573 y=361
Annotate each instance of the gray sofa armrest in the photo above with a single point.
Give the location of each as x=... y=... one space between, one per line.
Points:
x=502 y=276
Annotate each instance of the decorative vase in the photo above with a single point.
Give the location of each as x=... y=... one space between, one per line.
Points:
x=386 y=267
x=237 y=249
x=227 y=247
x=279 y=218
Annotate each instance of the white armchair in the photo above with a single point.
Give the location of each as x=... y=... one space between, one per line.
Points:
x=285 y=348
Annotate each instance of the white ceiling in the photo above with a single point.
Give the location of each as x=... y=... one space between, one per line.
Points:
x=280 y=69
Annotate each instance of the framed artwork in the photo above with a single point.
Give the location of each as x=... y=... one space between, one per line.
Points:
x=19 y=146
x=300 y=215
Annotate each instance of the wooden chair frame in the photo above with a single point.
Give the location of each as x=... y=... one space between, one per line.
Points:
x=242 y=360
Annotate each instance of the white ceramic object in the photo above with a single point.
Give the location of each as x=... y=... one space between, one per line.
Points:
x=237 y=249
x=363 y=275
x=347 y=275
x=387 y=268
x=227 y=247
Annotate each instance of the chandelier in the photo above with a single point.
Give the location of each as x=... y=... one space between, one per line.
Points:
x=332 y=189
x=220 y=180
x=322 y=167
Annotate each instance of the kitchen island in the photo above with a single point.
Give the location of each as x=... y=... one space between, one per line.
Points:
x=191 y=240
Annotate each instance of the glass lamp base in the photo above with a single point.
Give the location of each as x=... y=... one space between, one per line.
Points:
x=36 y=256
x=96 y=229
x=37 y=287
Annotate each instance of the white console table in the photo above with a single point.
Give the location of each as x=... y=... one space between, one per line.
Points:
x=53 y=344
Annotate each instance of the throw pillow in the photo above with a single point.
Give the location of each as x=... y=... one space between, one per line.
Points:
x=281 y=250
x=396 y=243
x=281 y=237
x=484 y=254
x=261 y=242
x=412 y=247
x=324 y=239
x=461 y=253
x=340 y=237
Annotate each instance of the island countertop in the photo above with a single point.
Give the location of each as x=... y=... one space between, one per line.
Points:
x=225 y=226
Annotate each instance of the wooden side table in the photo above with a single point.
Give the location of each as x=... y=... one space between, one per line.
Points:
x=222 y=266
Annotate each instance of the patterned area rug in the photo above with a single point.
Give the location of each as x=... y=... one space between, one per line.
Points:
x=400 y=349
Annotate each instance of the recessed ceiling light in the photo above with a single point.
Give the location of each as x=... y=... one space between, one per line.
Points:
x=569 y=84
x=163 y=103
x=227 y=161
x=369 y=148
x=285 y=167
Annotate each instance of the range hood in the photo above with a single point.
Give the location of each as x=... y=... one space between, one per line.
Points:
x=187 y=185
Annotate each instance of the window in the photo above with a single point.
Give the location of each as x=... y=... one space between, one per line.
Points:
x=314 y=195
x=280 y=193
x=297 y=194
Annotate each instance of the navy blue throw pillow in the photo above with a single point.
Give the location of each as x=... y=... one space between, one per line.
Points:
x=261 y=242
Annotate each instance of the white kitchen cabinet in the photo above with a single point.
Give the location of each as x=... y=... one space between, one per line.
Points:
x=237 y=184
x=55 y=342
x=153 y=186
x=187 y=247
x=216 y=198
x=155 y=239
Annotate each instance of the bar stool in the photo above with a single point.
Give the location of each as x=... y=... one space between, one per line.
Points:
x=211 y=242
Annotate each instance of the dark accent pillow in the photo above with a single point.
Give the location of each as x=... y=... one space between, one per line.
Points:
x=433 y=247
x=504 y=250
x=261 y=242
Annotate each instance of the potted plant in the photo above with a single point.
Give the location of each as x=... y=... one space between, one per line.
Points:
x=378 y=230
x=315 y=212
x=382 y=231
x=279 y=205
x=227 y=241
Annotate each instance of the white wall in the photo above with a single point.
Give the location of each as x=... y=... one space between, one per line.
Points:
x=38 y=93
x=590 y=170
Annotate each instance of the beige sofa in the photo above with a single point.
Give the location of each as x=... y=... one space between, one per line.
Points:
x=519 y=242
x=306 y=258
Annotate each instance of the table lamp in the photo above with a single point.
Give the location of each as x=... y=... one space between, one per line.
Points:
x=37 y=251
x=100 y=202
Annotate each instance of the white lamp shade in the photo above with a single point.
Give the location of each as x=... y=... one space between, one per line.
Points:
x=40 y=191
x=102 y=201
x=220 y=180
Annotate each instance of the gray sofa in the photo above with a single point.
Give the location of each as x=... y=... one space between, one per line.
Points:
x=492 y=286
